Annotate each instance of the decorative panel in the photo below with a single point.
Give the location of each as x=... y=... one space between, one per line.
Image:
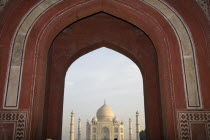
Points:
x=14 y=123
x=188 y=118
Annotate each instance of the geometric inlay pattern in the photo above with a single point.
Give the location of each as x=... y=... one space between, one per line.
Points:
x=185 y=118
x=204 y=6
x=19 y=119
x=2 y=4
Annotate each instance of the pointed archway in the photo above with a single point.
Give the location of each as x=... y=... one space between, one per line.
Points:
x=115 y=34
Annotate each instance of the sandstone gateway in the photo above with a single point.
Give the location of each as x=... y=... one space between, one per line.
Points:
x=169 y=40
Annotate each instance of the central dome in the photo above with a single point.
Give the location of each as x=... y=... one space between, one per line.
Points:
x=105 y=113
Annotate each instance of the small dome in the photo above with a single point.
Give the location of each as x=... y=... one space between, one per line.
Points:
x=115 y=120
x=105 y=113
x=94 y=119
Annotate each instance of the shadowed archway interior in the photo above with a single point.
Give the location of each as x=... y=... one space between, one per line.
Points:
x=88 y=34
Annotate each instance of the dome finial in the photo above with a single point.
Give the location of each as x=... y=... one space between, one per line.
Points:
x=104 y=101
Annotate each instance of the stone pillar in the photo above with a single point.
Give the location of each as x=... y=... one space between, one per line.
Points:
x=79 y=129
x=137 y=126
x=130 y=129
x=72 y=126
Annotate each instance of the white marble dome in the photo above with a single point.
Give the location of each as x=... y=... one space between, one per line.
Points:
x=105 y=113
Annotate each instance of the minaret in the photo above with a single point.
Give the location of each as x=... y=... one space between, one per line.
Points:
x=72 y=126
x=87 y=130
x=79 y=129
x=130 y=129
x=137 y=126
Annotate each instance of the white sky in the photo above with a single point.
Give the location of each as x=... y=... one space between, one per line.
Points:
x=98 y=75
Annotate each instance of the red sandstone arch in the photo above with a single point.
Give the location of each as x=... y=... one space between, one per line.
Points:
x=61 y=15
x=114 y=34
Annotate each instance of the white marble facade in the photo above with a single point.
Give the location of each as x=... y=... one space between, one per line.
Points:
x=104 y=126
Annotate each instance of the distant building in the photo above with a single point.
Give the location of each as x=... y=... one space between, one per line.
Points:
x=105 y=126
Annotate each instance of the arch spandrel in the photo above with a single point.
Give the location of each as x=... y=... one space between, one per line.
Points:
x=190 y=75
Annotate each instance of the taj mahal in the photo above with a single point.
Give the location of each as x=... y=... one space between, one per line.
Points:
x=104 y=126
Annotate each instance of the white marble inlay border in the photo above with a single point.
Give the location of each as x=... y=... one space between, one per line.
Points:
x=12 y=89
x=189 y=66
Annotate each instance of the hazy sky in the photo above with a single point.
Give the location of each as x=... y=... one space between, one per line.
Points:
x=98 y=75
